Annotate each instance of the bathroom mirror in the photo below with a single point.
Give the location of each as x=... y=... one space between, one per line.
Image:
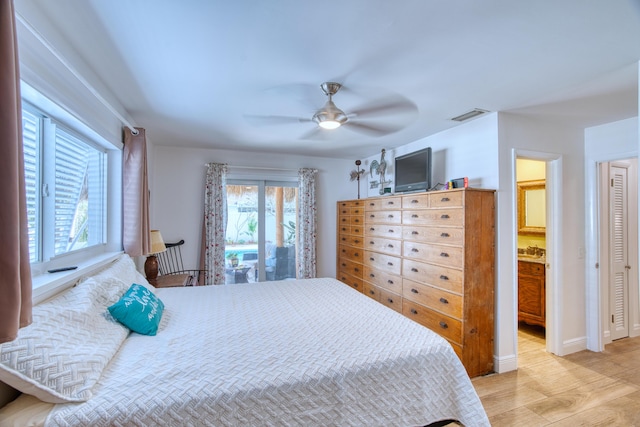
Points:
x=532 y=209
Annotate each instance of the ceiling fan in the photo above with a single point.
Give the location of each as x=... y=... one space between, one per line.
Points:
x=377 y=118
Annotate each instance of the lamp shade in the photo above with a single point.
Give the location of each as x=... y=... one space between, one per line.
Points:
x=157 y=244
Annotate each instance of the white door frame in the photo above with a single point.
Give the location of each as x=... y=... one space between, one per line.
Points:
x=554 y=302
x=593 y=291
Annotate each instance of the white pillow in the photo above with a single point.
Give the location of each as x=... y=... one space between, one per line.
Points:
x=123 y=269
x=61 y=355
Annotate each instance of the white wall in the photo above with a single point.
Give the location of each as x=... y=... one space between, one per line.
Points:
x=177 y=197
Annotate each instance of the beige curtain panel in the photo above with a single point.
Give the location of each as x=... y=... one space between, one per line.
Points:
x=136 y=233
x=15 y=280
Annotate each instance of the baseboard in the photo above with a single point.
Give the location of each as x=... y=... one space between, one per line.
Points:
x=505 y=363
x=573 y=346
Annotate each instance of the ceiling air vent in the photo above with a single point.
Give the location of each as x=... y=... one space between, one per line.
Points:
x=469 y=115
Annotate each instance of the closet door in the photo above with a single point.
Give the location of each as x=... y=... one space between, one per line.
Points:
x=618 y=253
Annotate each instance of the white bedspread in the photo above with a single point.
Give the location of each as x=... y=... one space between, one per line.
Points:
x=309 y=353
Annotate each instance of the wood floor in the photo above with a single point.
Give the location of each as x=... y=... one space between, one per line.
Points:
x=581 y=389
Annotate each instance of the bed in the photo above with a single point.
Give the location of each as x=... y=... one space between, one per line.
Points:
x=287 y=353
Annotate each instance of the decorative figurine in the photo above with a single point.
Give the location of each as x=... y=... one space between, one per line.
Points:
x=355 y=175
x=380 y=169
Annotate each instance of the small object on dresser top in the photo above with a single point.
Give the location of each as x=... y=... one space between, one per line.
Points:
x=57 y=270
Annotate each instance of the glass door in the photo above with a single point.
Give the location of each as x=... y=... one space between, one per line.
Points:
x=261 y=231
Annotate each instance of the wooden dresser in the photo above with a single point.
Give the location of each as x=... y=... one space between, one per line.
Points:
x=531 y=292
x=431 y=257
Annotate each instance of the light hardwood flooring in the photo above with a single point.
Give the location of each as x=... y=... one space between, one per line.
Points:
x=580 y=389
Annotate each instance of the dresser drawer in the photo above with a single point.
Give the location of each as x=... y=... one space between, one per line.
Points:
x=384 y=245
x=350 y=203
x=344 y=220
x=437 y=299
x=356 y=220
x=371 y=291
x=383 y=230
x=383 y=279
x=446 y=278
x=351 y=253
x=446 y=199
x=415 y=201
x=388 y=263
x=351 y=240
x=354 y=282
x=383 y=203
x=391 y=300
x=437 y=217
x=350 y=267
x=446 y=326
x=383 y=217
x=446 y=235
x=450 y=256
x=531 y=268
x=357 y=229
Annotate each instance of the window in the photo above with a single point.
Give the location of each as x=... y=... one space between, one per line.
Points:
x=65 y=178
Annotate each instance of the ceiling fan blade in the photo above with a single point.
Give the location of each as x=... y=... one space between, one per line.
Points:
x=316 y=133
x=269 y=120
x=390 y=106
x=371 y=130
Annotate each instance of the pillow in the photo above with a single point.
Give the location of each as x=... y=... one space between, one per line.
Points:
x=124 y=270
x=139 y=309
x=62 y=354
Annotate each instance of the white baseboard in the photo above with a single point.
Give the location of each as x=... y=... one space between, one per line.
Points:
x=505 y=363
x=573 y=346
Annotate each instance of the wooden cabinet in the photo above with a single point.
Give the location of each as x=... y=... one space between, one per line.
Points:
x=350 y=243
x=531 y=292
x=431 y=257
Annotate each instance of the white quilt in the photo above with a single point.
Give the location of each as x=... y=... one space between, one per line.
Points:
x=292 y=353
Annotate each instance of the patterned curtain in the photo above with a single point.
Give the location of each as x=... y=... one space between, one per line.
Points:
x=306 y=223
x=15 y=280
x=215 y=223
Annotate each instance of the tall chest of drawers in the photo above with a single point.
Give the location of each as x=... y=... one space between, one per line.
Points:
x=350 y=243
x=431 y=257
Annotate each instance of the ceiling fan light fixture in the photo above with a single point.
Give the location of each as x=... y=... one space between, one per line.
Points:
x=329 y=124
x=330 y=116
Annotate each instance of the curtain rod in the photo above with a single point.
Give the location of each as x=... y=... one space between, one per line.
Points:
x=75 y=73
x=259 y=168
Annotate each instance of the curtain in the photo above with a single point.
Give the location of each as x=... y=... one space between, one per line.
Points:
x=15 y=280
x=215 y=223
x=136 y=232
x=306 y=223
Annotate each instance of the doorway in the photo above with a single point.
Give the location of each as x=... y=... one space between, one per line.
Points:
x=619 y=248
x=531 y=254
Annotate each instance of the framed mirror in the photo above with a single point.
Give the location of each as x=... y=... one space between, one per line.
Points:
x=532 y=207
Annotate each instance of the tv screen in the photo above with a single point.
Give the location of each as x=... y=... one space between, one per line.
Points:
x=413 y=171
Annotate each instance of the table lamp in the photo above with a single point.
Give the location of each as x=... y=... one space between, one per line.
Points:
x=151 y=264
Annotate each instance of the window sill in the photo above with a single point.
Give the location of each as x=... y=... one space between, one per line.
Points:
x=48 y=284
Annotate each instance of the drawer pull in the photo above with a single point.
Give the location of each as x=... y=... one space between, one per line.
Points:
x=414 y=201
x=390 y=216
x=344 y=239
x=389 y=245
x=414 y=250
x=372 y=204
x=444 y=254
x=414 y=290
x=443 y=277
x=372 y=275
x=391 y=230
x=444 y=300
x=357 y=241
x=414 y=232
x=356 y=269
x=372 y=216
x=413 y=311
x=355 y=285
x=371 y=242
x=371 y=259
x=444 y=216
x=390 y=203
x=372 y=229
x=414 y=216
x=445 y=199
x=389 y=300
x=372 y=292
x=357 y=230
x=390 y=282
x=415 y=270
x=389 y=263
x=343 y=264
x=444 y=235
x=344 y=229
x=356 y=220
x=443 y=325
x=356 y=254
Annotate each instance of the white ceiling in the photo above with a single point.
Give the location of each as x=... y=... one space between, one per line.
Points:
x=194 y=72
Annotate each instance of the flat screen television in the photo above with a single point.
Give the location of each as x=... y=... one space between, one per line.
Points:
x=413 y=171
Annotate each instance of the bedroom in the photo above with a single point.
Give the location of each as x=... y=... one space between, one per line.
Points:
x=537 y=130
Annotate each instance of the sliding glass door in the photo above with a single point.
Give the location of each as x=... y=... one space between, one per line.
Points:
x=261 y=231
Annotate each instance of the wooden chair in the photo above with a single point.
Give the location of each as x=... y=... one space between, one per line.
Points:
x=171 y=271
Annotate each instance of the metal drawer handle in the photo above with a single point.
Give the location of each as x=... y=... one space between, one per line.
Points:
x=356 y=230
x=414 y=201
x=357 y=211
x=389 y=263
x=372 y=204
x=372 y=229
x=444 y=254
x=413 y=311
x=389 y=300
x=372 y=292
x=390 y=282
x=415 y=270
x=355 y=285
x=357 y=241
x=443 y=277
x=371 y=242
x=356 y=254
x=390 y=203
x=443 y=325
x=389 y=216
x=414 y=250
x=343 y=264
x=372 y=275
x=444 y=216
x=357 y=220
x=389 y=245
x=372 y=216
x=344 y=239
x=344 y=229
x=414 y=216
x=414 y=232
x=391 y=230
x=415 y=291
x=444 y=235
x=444 y=300
x=371 y=259
x=356 y=269
x=444 y=199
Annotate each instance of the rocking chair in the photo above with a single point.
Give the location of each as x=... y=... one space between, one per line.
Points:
x=171 y=271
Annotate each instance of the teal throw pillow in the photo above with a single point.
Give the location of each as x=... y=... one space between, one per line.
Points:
x=139 y=309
